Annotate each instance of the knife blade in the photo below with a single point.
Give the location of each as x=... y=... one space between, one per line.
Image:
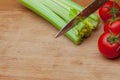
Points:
x=91 y=8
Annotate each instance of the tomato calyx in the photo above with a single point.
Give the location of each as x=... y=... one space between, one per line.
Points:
x=114 y=11
x=112 y=39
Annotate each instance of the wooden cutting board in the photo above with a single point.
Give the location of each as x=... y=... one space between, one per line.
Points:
x=29 y=51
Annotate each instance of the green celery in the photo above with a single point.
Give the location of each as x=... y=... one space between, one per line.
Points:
x=36 y=6
x=57 y=12
x=57 y=9
x=72 y=5
x=78 y=7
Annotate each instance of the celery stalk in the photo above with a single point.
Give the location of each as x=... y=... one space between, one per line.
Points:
x=58 y=9
x=92 y=21
x=36 y=6
x=74 y=5
x=57 y=13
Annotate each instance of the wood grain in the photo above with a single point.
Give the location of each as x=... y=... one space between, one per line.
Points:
x=29 y=51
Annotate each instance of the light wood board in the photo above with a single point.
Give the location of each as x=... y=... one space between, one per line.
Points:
x=29 y=51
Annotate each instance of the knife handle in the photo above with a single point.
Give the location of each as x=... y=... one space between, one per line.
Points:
x=96 y=4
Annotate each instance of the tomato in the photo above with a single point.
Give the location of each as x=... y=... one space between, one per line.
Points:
x=106 y=11
x=114 y=26
x=107 y=45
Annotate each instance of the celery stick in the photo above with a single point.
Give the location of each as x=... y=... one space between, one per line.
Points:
x=92 y=18
x=58 y=9
x=78 y=7
x=36 y=6
x=57 y=13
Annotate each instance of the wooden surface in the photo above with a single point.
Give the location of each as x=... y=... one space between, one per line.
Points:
x=29 y=51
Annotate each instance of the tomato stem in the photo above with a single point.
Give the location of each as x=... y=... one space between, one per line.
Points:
x=112 y=39
x=114 y=11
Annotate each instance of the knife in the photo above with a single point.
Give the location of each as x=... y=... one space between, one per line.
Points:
x=92 y=7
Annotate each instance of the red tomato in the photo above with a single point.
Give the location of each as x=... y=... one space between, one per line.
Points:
x=108 y=49
x=105 y=11
x=114 y=26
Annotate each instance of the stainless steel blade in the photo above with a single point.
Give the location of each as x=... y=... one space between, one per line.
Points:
x=92 y=7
